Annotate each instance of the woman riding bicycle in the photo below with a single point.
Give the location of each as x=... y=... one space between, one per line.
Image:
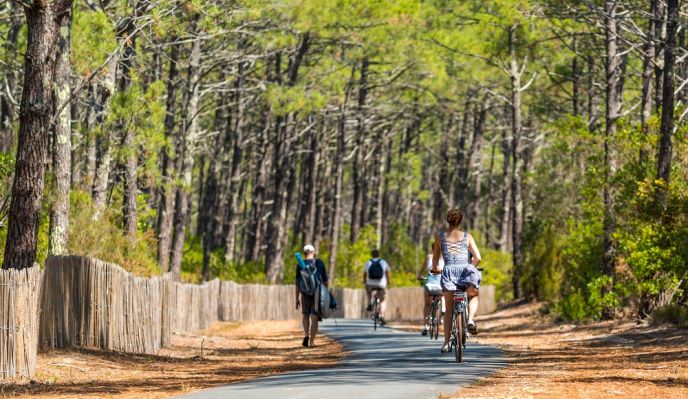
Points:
x=455 y=247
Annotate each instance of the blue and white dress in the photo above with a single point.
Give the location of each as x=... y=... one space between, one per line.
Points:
x=458 y=272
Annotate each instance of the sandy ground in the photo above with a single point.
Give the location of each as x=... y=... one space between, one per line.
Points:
x=615 y=359
x=226 y=353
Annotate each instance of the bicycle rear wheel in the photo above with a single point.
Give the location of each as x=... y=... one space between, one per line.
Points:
x=376 y=315
x=459 y=337
x=435 y=326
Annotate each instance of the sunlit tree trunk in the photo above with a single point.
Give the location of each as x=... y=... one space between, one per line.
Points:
x=62 y=151
x=666 y=129
x=186 y=153
x=36 y=110
x=612 y=109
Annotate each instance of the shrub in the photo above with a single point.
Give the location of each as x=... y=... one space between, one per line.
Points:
x=101 y=238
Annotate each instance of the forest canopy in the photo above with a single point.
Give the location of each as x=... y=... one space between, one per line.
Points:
x=214 y=138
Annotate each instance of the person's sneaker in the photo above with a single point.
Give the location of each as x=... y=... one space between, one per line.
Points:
x=382 y=322
x=369 y=308
x=445 y=348
x=305 y=342
x=472 y=327
x=425 y=332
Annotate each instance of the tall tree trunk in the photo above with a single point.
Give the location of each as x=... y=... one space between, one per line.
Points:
x=575 y=78
x=358 y=173
x=383 y=157
x=489 y=204
x=310 y=196
x=666 y=129
x=62 y=152
x=337 y=214
x=7 y=107
x=166 y=203
x=235 y=180
x=612 y=109
x=186 y=152
x=43 y=19
x=284 y=175
x=461 y=156
x=130 y=184
x=648 y=60
x=254 y=241
x=592 y=96
x=102 y=176
x=477 y=164
x=516 y=184
x=505 y=215
x=659 y=17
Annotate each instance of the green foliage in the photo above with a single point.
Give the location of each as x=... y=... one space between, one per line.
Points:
x=92 y=40
x=102 y=238
x=239 y=272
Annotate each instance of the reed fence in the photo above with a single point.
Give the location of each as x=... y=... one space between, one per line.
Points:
x=19 y=296
x=93 y=304
x=249 y=302
x=194 y=306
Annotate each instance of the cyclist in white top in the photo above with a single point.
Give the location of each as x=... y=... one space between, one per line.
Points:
x=431 y=287
x=376 y=277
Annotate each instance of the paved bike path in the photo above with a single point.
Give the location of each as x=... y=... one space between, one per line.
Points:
x=386 y=363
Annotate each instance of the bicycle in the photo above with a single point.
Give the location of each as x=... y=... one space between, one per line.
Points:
x=435 y=309
x=460 y=322
x=376 y=309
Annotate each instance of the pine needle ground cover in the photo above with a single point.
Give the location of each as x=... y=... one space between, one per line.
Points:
x=225 y=353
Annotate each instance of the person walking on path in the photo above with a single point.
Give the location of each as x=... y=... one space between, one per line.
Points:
x=376 y=277
x=455 y=247
x=305 y=300
x=431 y=287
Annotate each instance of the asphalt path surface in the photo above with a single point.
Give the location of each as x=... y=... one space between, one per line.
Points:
x=386 y=363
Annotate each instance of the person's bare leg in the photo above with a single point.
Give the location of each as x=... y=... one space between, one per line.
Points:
x=314 y=330
x=305 y=320
x=383 y=306
x=369 y=294
x=474 y=294
x=448 y=299
x=426 y=309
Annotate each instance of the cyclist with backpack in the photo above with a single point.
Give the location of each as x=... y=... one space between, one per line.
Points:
x=309 y=276
x=376 y=277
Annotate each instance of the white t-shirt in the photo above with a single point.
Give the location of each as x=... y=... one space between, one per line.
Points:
x=382 y=283
x=428 y=263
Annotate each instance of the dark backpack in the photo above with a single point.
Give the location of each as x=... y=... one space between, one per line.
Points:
x=376 y=271
x=310 y=279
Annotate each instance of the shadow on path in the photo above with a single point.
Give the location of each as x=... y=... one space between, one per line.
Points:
x=379 y=364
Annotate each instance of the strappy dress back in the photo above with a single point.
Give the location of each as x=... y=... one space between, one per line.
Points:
x=454 y=253
x=458 y=272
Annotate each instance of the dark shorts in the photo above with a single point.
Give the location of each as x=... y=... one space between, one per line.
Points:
x=308 y=304
x=381 y=292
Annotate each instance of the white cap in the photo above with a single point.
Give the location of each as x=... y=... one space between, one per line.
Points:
x=308 y=248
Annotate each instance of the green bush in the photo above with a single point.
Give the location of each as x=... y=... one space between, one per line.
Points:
x=102 y=238
x=674 y=314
